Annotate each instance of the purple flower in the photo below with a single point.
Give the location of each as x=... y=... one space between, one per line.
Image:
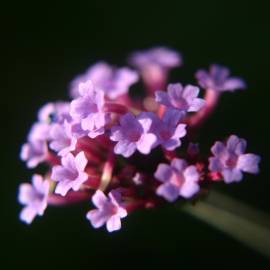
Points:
x=71 y=174
x=113 y=81
x=160 y=56
x=168 y=130
x=133 y=133
x=110 y=211
x=218 y=79
x=55 y=112
x=62 y=139
x=35 y=150
x=178 y=179
x=154 y=65
x=181 y=98
x=34 y=153
x=39 y=132
x=88 y=109
x=230 y=159
x=34 y=197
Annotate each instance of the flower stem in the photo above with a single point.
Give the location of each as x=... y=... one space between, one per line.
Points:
x=198 y=119
x=242 y=222
x=107 y=171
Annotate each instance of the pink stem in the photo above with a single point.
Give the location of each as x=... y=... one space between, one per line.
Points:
x=53 y=159
x=70 y=198
x=107 y=171
x=115 y=108
x=198 y=119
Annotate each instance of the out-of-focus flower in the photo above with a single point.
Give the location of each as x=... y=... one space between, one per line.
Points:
x=54 y=112
x=34 y=197
x=181 y=98
x=178 y=179
x=218 y=79
x=109 y=210
x=162 y=57
x=70 y=174
x=230 y=159
x=113 y=81
x=34 y=153
x=133 y=133
x=154 y=65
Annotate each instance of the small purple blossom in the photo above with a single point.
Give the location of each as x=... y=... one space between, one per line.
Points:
x=88 y=109
x=34 y=153
x=168 y=130
x=109 y=210
x=39 y=132
x=133 y=133
x=62 y=139
x=178 y=179
x=55 y=112
x=154 y=65
x=35 y=150
x=113 y=81
x=230 y=159
x=218 y=79
x=71 y=174
x=160 y=56
x=181 y=98
x=34 y=197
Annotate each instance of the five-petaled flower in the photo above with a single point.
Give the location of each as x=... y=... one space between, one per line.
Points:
x=63 y=140
x=109 y=210
x=133 y=133
x=218 y=79
x=230 y=159
x=88 y=108
x=70 y=174
x=168 y=129
x=178 y=179
x=34 y=197
x=181 y=98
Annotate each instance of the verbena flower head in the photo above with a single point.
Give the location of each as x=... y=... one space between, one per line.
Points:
x=218 y=79
x=70 y=174
x=230 y=159
x=178 y=179
x=181 y=98
x=88 y=108
x=34 y=198
x=88 y=144
x=109 y=210
x=113 y=81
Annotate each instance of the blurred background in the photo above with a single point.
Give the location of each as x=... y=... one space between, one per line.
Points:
x=44 y=46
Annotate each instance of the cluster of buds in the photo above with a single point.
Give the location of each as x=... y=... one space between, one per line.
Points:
x=123 y=154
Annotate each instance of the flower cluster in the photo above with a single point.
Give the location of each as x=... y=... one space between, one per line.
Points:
x=123 y=155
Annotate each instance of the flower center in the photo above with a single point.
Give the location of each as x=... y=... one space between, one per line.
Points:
x=180 y=103
x=177 y=179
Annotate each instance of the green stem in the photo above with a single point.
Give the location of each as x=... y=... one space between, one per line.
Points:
x=238 y=220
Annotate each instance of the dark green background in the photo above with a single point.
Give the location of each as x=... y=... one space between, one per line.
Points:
x=45 y=46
